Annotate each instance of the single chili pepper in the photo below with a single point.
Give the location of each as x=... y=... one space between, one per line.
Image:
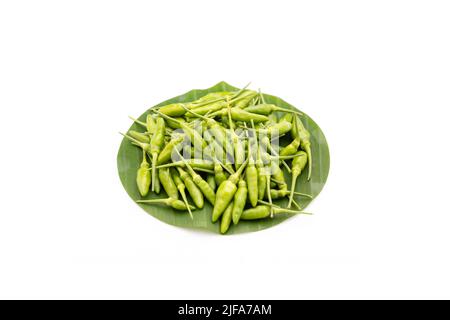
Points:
x=167 y=182
x=298 y=164
x=143 y=177
x=197 y=164
x=240 y=115
x=238 y=146
x=156 y=145
x=150 y=124
x=251 y=176
x=287 y=117
x=166 y=153
x=176 y=124
x=144 y=146
x=225 y=192
x=293 y=146
x=194 y=191
x=305 y=143
x=219 y=175
x=157 y=183
x=278 y=175
x=206 y=189
x=226 y=218
x=261 y=170
x=211 y=181
x=208 y=108
x=212 y=96
x=181 y=188
x=240 y=198
x=141 y=137
x=266 y=109
x=244 y=99
x=277 y=129
x=264 y=211
x=174 y=203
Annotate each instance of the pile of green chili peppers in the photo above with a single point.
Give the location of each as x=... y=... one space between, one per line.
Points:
x=219 y=148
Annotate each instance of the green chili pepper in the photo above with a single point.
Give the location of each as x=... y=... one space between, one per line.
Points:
x=150 y=124
x=240 y=115
x=142 y=145
x=175 y=124
x=174 y=203
x=225 y=192
x=226 y=218
x=278 y=175
x=156 y=145
x=206 y=189
x=212 y=96
x=168 y=184
x=264 y=211
x=143 y=177
x=251 y=174
x=211 y=181
x=240 y=198
x=238 y=146
x=287 y=117
x=194 y=191
x=219 y=175
x=262 y=171
x=166 y=154
x=175 y=109
x=244 y=99
x=277 y=129
x=208 y=108
x=181 y=188
x=298 y=164
x=156 y=183
x=266 y=109
x=305 y=143
x=293 y=146
x=197 y=164
x=141 y=137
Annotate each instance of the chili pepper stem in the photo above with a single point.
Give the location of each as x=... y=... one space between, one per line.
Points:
x=269 y=196
x=138 y=121
x=183 y=195
x=154 y=160
x=291 y=196
x=296 y=204
x=308 y=152
x=133 y=140
x=278 y=209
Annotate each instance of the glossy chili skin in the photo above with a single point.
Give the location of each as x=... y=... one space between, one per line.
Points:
x=167 y=183
x=240 y=199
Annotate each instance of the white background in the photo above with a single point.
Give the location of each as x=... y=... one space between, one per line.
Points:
x=375 y=75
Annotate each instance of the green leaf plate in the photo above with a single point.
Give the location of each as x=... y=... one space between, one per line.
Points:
x=129 y=158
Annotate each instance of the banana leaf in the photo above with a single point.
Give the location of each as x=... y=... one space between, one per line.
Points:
x=129 y=158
